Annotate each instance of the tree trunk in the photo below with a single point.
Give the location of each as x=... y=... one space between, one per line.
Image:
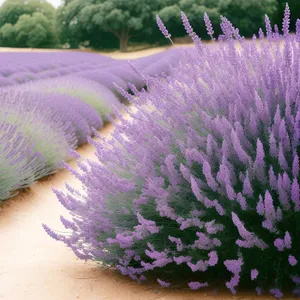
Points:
x=123 y=42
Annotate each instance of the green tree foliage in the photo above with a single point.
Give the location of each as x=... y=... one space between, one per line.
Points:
x=248 y=15
x=8 y=35
x=121 y=18
x=27 y=23
x=11 y=10
x=33 y=31
x=68 y=29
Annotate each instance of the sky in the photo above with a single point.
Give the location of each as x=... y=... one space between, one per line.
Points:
x=55 y=3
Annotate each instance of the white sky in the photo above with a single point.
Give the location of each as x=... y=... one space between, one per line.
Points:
x=55 y=3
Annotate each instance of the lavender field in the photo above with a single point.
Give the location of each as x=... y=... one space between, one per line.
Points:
x=177 y=174
x=51 y=102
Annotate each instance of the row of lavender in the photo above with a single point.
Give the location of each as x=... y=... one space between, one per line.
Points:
x=203 y=182
x=40 y=121
x=19 y=68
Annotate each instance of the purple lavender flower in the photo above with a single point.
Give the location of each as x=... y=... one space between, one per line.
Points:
x=162 y=28
x=276 y=293
x=254 y=274
x=286 y=21
x=208 y=25
x=298 y=30
x=163 y=283
x=213 y=258
x=187 y=25
x=292 y=260
x=196 y=285
x=268 y=27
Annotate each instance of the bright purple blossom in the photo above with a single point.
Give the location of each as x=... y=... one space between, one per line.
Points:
x=163 y=283
x=292 y=260
x=254 y=274
x=162 y=28
x=208 y=25
x=196 y=285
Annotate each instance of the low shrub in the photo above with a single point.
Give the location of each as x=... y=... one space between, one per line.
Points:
x=96 y=96
x=203 y=181
x=26 y=152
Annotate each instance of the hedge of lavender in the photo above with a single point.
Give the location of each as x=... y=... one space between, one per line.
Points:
x=26 y=152
x=99 y=97
x=18 y=68
x=39 y=127
x=203 y=181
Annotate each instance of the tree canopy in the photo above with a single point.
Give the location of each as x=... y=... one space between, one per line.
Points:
x=121 y=18
x=11 y=10
x=27 y=23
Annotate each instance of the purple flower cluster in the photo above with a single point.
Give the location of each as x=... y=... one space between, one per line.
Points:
x=204 y=177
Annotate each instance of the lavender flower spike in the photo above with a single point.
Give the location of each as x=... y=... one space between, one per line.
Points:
x=187 y=25
x=268 y=27
x=286 y=21
x=162 y=27
x=298 y=30
x=209 y=27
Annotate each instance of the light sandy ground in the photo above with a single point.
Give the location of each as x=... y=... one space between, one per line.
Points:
x=35 y=267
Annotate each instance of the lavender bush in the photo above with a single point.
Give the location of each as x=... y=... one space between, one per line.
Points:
x=23 y=77
x=96 y=96
x=103 y=77
x=203 y=180
x=26 y=153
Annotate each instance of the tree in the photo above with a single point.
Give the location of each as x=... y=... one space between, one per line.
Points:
x=248 y=15
x=11 y=10
x=33 y=31
x=121 y=18
x=8 y=35
x=67 y=26
x=27 y=23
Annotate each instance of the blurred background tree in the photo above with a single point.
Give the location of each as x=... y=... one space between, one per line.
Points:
x=27 y=23
x=33 y=31
x=111 y=19
x=111 y=24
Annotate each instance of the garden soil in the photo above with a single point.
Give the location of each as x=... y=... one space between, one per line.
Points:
x=35 y=267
